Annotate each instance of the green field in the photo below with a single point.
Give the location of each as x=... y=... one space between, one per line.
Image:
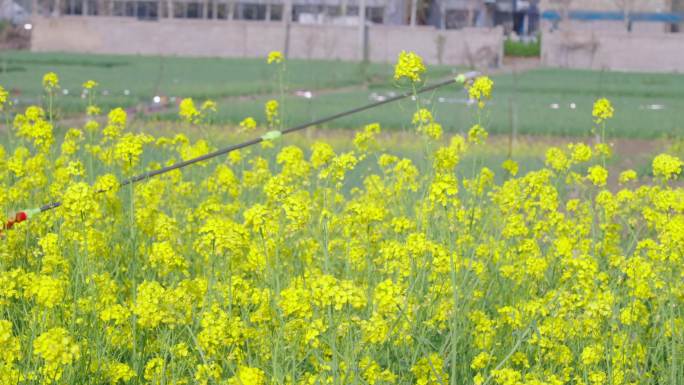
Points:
x=146 y=76
x=338 y=255
x=537 y=102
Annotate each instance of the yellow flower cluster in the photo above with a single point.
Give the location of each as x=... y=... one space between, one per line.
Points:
x=247 y=375
x=275 y=57
x=271 y=108
x=58 y=349
x=409 y=66
x=50 y=81
x=477 y=134
x=366 y=140
x=602 y=111
x=165 y=260
x=129 y=148
x=116 y=123
x=480 y=90
x=46 y=290
x=10 y=354
x=90 y=84
x=33 y=126
x=429 y=371
x=627 y=176
x=79 y=204
x=248 y=124
x=118 y=372
x=4 y=95
x=188 y=112
x=666 y=166
x=425 y=124
x=307 y=265
x=598 y=175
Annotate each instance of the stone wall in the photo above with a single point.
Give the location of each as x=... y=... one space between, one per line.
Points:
x=621 y=51
x=476 y=47
x=473 y=47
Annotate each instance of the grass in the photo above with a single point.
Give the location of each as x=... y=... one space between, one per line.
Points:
x=522 y=49
x=526 y=103
x=146 y=76
x=537 y=102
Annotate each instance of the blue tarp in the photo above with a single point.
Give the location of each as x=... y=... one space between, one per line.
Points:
x=660 y=17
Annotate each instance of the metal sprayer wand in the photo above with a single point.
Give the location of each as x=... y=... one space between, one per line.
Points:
x=460 y=79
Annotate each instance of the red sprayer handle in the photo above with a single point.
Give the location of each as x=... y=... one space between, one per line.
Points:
x=19 y=217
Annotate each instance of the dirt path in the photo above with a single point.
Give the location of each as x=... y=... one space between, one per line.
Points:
x=517 y=65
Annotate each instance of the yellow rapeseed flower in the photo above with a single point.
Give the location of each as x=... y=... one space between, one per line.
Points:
x=481 y=90
x=247 y=375
x=598 y=175
x=117 y=372
x=409 y=66
x=89 y=84
x=57 y=348
x=271 y=108
x=275 y=57
x=248 y=124
x=667 y=166
x=50 y=81
x=477 y=134
x=511 y=166
x=602 y=111
x=430 y=370
x=116 y=123
x=549 y=276
x=187 y=110
x=11 y=350
x=627 y=176
x=3 y=98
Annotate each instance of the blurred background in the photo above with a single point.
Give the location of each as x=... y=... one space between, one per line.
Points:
x=550 y=60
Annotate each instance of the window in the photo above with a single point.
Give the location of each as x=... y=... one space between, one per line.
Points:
x=277 y=12
x=251 y=11
x=460 y=18
x=375 y=14
x=92 y=7
x=193 y=10
x=73 y=7
x=189 y=10
x=147 y=10
x=143 y=10
x=179 y=10
x=332 y=10
x=308 y=13
x=129 y=9
x=118 y=8
x=222 y=11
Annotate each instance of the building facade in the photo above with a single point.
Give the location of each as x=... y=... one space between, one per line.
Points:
x=441 y=14
x=525 y=17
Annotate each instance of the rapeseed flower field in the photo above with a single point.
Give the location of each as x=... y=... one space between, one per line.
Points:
x=273 y=266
